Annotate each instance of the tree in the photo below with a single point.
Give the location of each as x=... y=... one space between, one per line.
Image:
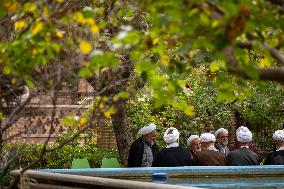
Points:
x=52 y=42
x=45 y=43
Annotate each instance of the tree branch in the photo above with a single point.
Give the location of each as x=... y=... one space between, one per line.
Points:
x=277 y=2
x=271 y=74
x=275 y=53
x=18 y=110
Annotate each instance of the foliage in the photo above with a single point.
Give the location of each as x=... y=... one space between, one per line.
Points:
x=60 y=160
x=141 y=111
x=159 y=37
x=170 y=45
x=263 y=111
x=260 y=104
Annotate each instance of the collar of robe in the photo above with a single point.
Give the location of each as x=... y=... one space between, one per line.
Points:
x=174 y=144
x=281 y=148
x=212 y=148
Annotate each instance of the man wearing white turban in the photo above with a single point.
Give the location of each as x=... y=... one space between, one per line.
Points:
x=173 y=155
x=243 y=155
x=235 y=146
x=222 y=141
x=277 y=157
x=194 y=145
x=143 y=150
x=209 y=155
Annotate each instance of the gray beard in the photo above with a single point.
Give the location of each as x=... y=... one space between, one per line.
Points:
x=224 y=144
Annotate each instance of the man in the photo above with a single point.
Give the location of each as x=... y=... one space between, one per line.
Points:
x=243 y=155
x=222 y=141
x=277 y=157
x=235 y=146
x=209 y=155
x=143 y=150
x=173 y=155
x=193 y=144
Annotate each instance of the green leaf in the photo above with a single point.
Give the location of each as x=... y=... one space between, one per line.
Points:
x=30 y=84
x=2 y=12
x=85 y=72
x=88 y=12
x=121 y=95
x=105 y=60
x=1 y=115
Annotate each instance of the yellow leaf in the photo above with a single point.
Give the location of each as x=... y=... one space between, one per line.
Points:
x=11 y=6
x=34 y=51
x=165 y=60
x=107 y=114
x=14 y=81
x=214 y=66
x=215 y=23
x=102 y=105
x=265 y=62
x=189 y=111
x=110 y=112
x=59 y=1
x=100 y=11
x=90 y=21
x=193 y=11
x=95 y=29
x=59 y=34
x=83 y=121
x=155 y=41
x=30 y=7
x=79 y=17
x=85 y=47
x=86 y=63
x=38 y=27
x=20 y=24
x=46 y=12
x=7 y=70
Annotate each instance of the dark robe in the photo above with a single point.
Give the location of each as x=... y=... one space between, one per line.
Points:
x=275 y=158
x=242 y=156
x=136 y=153
x=235 y=146
x=209 y=158
x=172 y=157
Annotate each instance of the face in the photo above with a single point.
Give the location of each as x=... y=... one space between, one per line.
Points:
x=151 y=137
x=195 y=145
x=222 y=139
x=204 y=145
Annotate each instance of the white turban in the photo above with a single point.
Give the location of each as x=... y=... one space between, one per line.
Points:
x=278 y=135
x=191 y=138
x=171 y=135
x=147 y=129
x=221 y=130
x=207 y=137
x=244 y=135
x=241 y=128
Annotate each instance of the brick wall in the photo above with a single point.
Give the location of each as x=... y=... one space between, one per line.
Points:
x=35 y=125
x=35 y=122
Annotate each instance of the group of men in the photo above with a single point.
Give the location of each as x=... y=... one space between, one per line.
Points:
x=206 y=150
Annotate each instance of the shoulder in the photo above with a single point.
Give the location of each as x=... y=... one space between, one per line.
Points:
x=202 y=153
x=277 y=153
x=137 y=142
x=251 y=152
x=236 y=151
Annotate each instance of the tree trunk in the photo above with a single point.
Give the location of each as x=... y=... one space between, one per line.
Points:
x=237 y=121
x=122 y=130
